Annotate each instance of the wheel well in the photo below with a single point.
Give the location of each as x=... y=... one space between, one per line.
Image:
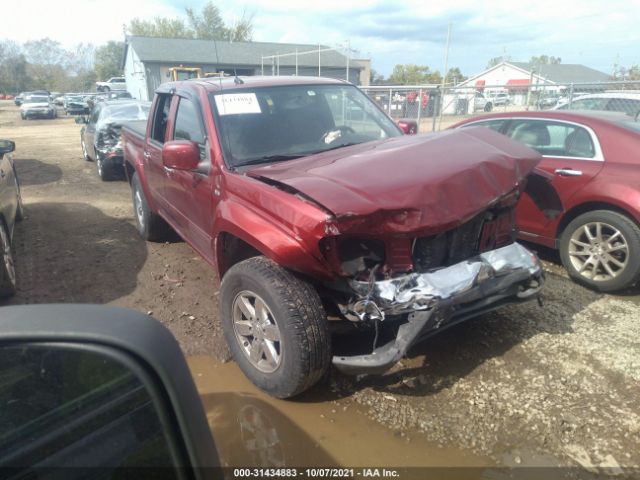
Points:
x=587 y=207
x=232 y=250
x=129 y=171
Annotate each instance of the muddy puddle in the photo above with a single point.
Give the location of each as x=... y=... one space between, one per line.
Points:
x=252 y=429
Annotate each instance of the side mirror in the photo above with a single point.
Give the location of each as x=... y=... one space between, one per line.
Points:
x=409 y=127
x=7 y=146
x=181 y=155
x=95 y=386
x=82 y=120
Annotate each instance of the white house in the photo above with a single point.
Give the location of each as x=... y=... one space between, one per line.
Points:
x=516 y=78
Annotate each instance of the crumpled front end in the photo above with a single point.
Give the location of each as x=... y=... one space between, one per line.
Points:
x=109 y=142
x=431 y=301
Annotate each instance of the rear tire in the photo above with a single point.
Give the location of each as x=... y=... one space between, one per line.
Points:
x=290 y=335
x=7 y=268
x=601 y=250
x=150 y=225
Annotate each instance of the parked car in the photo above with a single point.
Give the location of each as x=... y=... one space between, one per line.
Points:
x=589 y=155
x=37 y=106
x=116 y=95
x=628 y=103
x=498 y=98
x=18 y=99
x=480 y=102
x=11 y=210
x=100 y=134
x=304 y=213
x=114 y=83
x=76 y=105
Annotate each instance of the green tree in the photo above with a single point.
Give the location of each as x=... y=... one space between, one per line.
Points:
x=108 y=59
x=160 y=27
x=454 y=76
x=376 y=78
x=411 y=74
x=498 y=60
x=242 y=29
x=206 y=24
x=46 y=51
x=545 y=60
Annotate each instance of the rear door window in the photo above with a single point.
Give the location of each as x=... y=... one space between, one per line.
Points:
x=555 y=139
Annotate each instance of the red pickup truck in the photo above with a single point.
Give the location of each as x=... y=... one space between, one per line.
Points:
x=315 y=211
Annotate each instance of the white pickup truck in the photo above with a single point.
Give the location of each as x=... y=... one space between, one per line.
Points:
x=114 y=83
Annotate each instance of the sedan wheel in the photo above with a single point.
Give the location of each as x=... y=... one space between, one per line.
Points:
x=7 y=267
x=256 y=331
x=602 y=249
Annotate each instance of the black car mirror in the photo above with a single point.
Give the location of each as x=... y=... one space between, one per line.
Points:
x=82 y=120
x=7 y=146
x=88 y=386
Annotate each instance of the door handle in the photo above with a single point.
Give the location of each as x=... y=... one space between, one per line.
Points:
x=146 y=154
x=568 y=172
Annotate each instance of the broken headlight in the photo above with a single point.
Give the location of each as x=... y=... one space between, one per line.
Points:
x=353 y=256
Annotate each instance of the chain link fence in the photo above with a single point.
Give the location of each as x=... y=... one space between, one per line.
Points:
x=434 y=107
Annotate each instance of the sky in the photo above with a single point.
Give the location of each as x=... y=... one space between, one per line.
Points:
x=596 y=33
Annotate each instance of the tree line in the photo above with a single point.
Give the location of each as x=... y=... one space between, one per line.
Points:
x=45 y=64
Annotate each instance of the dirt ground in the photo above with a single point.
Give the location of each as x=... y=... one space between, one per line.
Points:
x=557 y=385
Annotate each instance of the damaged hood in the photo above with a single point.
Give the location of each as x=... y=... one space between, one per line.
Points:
x=411 y=182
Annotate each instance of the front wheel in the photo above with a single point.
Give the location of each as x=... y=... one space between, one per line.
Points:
x=7 y=268
x=85 y=153
x=488 y=107
x=601 y=249
x=275 y=326
x=104 y=172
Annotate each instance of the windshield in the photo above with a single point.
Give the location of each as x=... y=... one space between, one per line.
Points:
x=36 y=99
x=279 y=123
x=122 y=113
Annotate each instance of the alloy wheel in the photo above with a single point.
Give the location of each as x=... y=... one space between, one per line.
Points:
x=7 y=256
x=598 y=251
x=256 y=331
x=138 y=207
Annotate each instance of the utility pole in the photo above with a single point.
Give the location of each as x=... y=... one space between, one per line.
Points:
x=444 y=75
x=348 y=55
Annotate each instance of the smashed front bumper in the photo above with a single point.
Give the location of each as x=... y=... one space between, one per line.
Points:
x=436 y=300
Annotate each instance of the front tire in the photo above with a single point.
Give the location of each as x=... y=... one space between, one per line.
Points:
x=601 y=250
x=488 y=107
x=85 y=153
x=7 y=268
x=150 y=225
x=104 y=172
x=275 y=326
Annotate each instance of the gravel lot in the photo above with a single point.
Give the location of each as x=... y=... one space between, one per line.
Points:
x=557 y=385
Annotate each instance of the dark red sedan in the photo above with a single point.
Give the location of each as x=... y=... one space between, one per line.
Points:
x=594 y=158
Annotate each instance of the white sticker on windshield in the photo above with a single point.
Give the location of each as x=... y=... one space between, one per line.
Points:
x=237 y=103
